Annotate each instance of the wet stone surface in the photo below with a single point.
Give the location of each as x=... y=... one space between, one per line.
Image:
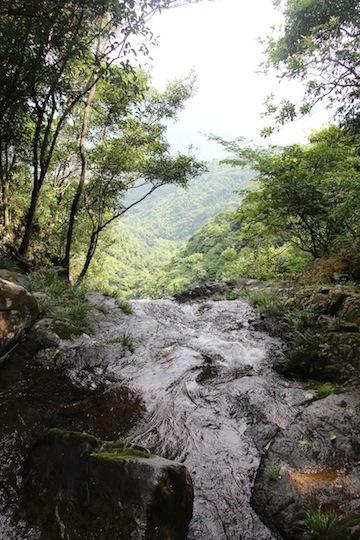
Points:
x=202 y=392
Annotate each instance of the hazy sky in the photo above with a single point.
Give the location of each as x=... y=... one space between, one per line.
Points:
x=219 y=39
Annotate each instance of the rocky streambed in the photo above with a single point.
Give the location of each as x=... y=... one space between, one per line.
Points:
x=191 y=382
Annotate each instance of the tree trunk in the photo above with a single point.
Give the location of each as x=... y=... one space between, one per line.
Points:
x=90 y=253
x=23 y=249
x=75 y=203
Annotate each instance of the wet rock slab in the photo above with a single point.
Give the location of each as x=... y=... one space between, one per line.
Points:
x=76 y=486
x=314 y=463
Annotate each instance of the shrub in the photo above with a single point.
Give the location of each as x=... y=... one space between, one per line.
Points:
x=265 y=301
x=66 y=305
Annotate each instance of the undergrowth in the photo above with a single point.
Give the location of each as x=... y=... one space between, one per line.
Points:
x=305 y=354
x=266 y=301
x=65 y=305
x=6 y=263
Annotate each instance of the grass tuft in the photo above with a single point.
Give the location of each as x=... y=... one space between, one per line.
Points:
x=273 y=470
x=125 y=306
x=319 y=521
x=6 y=263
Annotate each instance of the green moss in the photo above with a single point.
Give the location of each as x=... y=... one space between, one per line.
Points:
x=119 y=450
x=324 y=390
x=129 y=454
x=99 y=449
x=77 y=436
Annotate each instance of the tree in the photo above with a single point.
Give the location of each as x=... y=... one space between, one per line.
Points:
x=126 y=151
x=134 y=155
x=50 y=61
x=319 y=45
x=307 y=195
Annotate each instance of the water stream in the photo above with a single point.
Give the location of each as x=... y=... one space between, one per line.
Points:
x=212 y=400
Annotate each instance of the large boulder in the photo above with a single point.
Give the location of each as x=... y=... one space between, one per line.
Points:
x=313 y=463
x=76 y=486
x=18 y=311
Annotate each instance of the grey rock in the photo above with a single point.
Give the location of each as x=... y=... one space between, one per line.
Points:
x=72 y=489
x=318 y=458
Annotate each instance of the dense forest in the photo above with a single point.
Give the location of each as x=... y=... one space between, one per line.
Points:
x=83 y=153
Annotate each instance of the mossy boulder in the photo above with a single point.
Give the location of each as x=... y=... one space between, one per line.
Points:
x=76 y=486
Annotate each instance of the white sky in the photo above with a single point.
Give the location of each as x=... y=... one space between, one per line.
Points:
x=219 y=39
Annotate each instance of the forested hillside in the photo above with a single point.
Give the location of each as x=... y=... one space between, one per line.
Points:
x=138 y=245
x=174 y=214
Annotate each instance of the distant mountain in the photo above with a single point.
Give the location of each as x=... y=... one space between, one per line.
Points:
x=173 y=214
x=208 y=255
x=152 y=231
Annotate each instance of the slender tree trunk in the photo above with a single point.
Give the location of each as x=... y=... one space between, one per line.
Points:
x=75 y=203
x=90 y=253
x=97 y=229
x=6 y=166
x=6 y=203
x=38 y=177
x=24 y=246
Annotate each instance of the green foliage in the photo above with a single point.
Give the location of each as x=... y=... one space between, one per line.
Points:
x=173 y=215
x=324 y=390
x=304 y=356
x=71 y=319
x=318 y=45
x=126 y=339
x=266 y=301
x=6 y=263
x=202 y=259
x=319 y=522
x=99 y=449
x=134 y=251
x=66 y=305
x=102 y=308
x=79 y=125
x=266 y=261
x=119 y=450
x=125 y=306
x=305 y=195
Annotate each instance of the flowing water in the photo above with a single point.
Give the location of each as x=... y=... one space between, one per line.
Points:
x=212 y=400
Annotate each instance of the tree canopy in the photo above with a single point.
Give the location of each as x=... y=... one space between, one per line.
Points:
x=79 y=123
x=319 y=45
x=304 y=194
